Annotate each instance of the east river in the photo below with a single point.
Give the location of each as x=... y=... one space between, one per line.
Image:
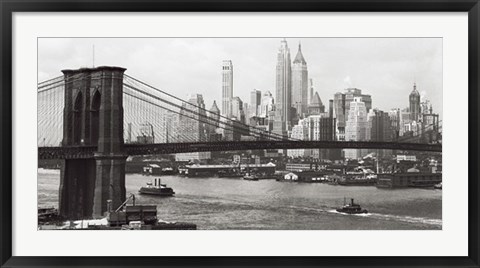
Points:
x=216 y=203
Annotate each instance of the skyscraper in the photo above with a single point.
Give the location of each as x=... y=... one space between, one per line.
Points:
x=192 y=127
x=341 y=107
x=356 y=128
x=255 y=101
x=283 y=102
x=299 y=84
x=414 y=99
x=267 y=104
x=237 y=109
x=191 y=119
x=227 y=88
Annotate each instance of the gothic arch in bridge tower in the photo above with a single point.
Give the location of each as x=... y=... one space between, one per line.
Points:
x=94 y=117
x=77 y=118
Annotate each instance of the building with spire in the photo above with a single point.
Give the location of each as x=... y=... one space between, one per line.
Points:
x=283 y=85
x=414 y=100
x=227 y=88
x=213 y=123
x=299 y=84
x=316 y=106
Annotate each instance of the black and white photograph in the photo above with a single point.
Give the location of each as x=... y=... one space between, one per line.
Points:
x=239 y=133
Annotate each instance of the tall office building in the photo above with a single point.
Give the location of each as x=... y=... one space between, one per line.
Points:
x=191 y=119
x=237 y=109
x=414 y=100
x=282 y=120
x=192 y=127
x=299 y=84
x=227 y=88
x=356 y=128
x=341 y=107
x=267 y=104
x=255 y=102
x=380 y=125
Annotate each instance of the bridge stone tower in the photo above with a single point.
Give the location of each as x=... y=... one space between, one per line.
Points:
x=93 y=116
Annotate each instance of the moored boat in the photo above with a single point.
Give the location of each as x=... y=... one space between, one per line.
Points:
x=251 y=177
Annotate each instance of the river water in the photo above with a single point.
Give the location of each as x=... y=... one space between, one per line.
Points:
x=216 y=203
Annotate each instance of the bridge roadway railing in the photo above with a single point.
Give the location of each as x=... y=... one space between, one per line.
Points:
x=72 y=152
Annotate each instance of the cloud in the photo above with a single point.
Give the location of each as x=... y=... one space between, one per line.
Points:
x=347 y=81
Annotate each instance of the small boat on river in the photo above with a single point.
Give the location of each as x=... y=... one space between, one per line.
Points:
x=351 y=208
x=157 y=189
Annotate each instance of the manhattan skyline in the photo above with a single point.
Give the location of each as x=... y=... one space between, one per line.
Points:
x=378 y=66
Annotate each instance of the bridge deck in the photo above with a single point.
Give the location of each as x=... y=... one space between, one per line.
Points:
x=170 y=148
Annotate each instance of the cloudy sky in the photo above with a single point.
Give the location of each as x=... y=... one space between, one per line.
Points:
x=385 y=68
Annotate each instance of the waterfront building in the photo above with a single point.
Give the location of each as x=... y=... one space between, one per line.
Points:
x=299 y=84
x=283 y=85
x=414 y=100
x=255 y=102
x=408 y=179
x=356 y=128
x=227 y=87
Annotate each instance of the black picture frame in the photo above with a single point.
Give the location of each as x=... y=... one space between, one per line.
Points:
x=8 y=7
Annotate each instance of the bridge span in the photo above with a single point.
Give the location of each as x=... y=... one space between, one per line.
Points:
x=72 y=152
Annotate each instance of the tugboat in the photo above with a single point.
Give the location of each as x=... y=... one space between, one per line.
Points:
x=351 y=208
x=157 y=189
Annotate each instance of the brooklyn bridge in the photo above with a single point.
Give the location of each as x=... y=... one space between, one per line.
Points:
x=92 y=119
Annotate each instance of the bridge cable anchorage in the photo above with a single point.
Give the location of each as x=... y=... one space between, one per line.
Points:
x=183 y=108
x=172 y=96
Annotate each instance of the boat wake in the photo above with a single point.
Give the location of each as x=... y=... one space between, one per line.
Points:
x=389 y=217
